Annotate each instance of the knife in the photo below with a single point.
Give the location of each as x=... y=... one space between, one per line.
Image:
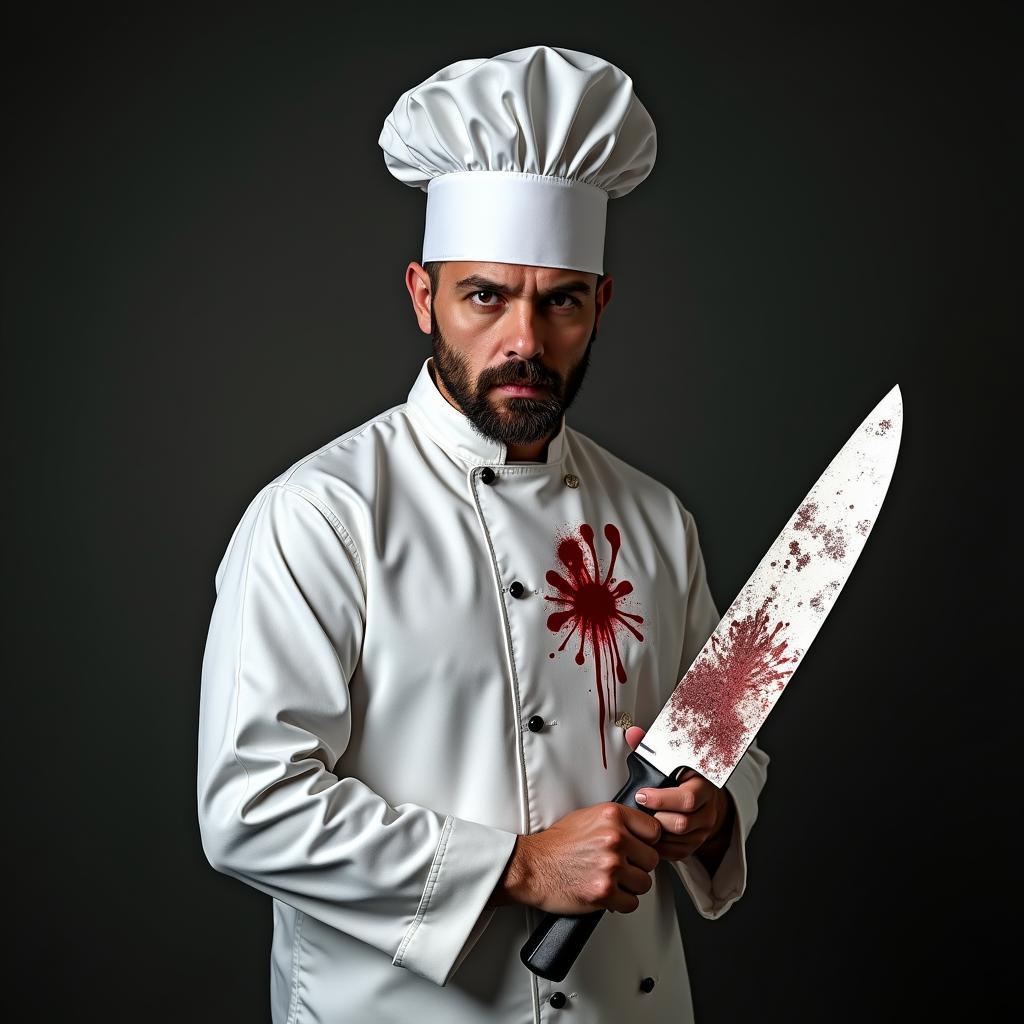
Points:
x=739 y=674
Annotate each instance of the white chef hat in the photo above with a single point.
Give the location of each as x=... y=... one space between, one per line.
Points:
x=519 y=154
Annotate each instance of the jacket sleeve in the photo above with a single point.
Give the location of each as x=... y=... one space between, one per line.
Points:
x=275 y=717
x=714 y=896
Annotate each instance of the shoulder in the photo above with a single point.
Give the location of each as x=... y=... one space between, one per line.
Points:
x=341 y=477
x=343 y=456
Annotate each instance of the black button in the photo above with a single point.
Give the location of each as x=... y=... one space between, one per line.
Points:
x=517 y=589
x=535 y=724
x=487 y=475
x=646 y=985
x=557 y=1000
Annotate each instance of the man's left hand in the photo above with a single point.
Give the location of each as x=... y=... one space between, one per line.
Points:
x=696 y=816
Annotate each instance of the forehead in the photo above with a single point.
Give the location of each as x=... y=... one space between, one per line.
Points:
x=513 y=276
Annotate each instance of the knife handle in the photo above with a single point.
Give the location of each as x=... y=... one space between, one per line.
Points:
x=559 y=938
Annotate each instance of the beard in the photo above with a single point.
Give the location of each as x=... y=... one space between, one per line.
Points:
x=520 y=420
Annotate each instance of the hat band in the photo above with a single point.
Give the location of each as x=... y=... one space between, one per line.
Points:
x=515 y=217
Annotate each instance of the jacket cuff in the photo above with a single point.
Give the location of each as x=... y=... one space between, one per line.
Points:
x=453 y=912
x=714 y=896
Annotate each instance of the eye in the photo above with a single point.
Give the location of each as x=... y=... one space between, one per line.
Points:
x=475 y=294
x=565 y=295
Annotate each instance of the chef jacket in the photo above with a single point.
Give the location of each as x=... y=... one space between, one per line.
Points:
x=419 y=650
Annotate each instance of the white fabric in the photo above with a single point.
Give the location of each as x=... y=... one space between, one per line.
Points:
x=364 y=754
x=484 y=212
x=546 y=126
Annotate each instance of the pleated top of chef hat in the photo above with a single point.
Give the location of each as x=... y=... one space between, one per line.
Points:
x=519 y=154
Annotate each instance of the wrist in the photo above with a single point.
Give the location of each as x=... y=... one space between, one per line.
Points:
x=514 y=884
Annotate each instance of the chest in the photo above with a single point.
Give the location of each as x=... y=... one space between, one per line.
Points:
x=513 y=629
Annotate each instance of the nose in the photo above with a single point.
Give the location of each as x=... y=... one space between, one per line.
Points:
x=525 y=332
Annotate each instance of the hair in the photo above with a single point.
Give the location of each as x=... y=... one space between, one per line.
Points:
x=433 y=269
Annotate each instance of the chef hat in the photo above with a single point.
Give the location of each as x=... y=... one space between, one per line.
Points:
x=519 y=154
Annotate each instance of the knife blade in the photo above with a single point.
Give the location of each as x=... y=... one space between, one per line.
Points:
x=739 y=674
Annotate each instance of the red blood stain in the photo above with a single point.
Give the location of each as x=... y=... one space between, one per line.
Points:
x=801 y=559
x=816 y=602
x=805 y=516
x=747 y=665
x=834 y=544
x=863 y=526
x=832 y=540
x=884 y=426
x=592 y=607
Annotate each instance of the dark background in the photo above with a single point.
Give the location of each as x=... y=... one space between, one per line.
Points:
x=202 y=282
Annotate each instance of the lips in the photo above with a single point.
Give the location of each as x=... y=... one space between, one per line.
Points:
x=521 y=389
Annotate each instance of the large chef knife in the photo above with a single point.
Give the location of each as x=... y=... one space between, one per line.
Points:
x=740 y=673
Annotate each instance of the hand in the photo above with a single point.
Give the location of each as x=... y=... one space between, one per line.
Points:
x=695 y=815
x=595 y=858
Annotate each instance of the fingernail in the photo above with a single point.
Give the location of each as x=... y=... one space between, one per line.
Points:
x=641 y=798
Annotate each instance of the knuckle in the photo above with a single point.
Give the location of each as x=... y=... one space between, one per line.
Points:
x=611 y=840
x=609 y=812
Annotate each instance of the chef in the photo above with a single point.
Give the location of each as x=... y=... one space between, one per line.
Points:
x=436 y=638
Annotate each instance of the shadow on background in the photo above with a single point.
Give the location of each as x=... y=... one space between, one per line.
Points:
x=203 y=282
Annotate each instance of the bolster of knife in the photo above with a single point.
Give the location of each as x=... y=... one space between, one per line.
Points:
x=558 y=939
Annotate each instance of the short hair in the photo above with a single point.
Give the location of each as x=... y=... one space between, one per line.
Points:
x=433 y=269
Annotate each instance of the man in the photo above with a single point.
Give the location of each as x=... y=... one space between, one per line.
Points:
x=432 y=635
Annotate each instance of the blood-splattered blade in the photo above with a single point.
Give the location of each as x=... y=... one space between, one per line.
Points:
x=740 y=673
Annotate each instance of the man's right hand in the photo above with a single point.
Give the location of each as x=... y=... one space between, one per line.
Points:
x=596 y=858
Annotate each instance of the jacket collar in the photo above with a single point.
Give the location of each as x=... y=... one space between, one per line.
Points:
x=453 y=431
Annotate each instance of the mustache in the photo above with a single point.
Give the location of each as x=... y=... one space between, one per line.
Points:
x=518 y=372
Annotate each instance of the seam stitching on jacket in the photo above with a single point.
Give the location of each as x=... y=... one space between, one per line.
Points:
x=339 y=528
x=428 y=890
x=293 y=1013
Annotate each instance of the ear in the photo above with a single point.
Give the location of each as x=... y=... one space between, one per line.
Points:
x=602 y=297
x=417 y=282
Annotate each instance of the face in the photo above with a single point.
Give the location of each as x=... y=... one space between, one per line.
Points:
x=512 y=343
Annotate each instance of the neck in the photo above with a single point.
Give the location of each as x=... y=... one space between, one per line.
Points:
x=536 y=452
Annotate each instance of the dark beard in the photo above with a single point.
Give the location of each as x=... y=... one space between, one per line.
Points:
x=525 y=420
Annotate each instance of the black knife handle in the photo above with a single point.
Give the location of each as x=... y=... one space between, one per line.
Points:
x=556 y=942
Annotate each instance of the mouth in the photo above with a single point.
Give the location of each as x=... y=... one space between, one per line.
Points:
x=520 y=390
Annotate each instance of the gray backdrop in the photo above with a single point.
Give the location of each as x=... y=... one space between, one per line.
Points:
x=202 y=282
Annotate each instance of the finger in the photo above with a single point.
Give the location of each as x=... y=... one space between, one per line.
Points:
x=633 y=880
x=674 y=824
x=677 y=849
x=639 y=852
x=621 y=902
x=634 y=734
x=641 y=825
x=642 y=855
x=676 y=798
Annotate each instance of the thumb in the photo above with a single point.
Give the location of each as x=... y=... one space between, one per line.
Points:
x=634 y=734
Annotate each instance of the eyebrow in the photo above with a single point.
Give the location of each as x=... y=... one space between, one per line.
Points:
x=482 y=284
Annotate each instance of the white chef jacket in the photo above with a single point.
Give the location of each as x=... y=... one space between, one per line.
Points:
x=381 y=715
